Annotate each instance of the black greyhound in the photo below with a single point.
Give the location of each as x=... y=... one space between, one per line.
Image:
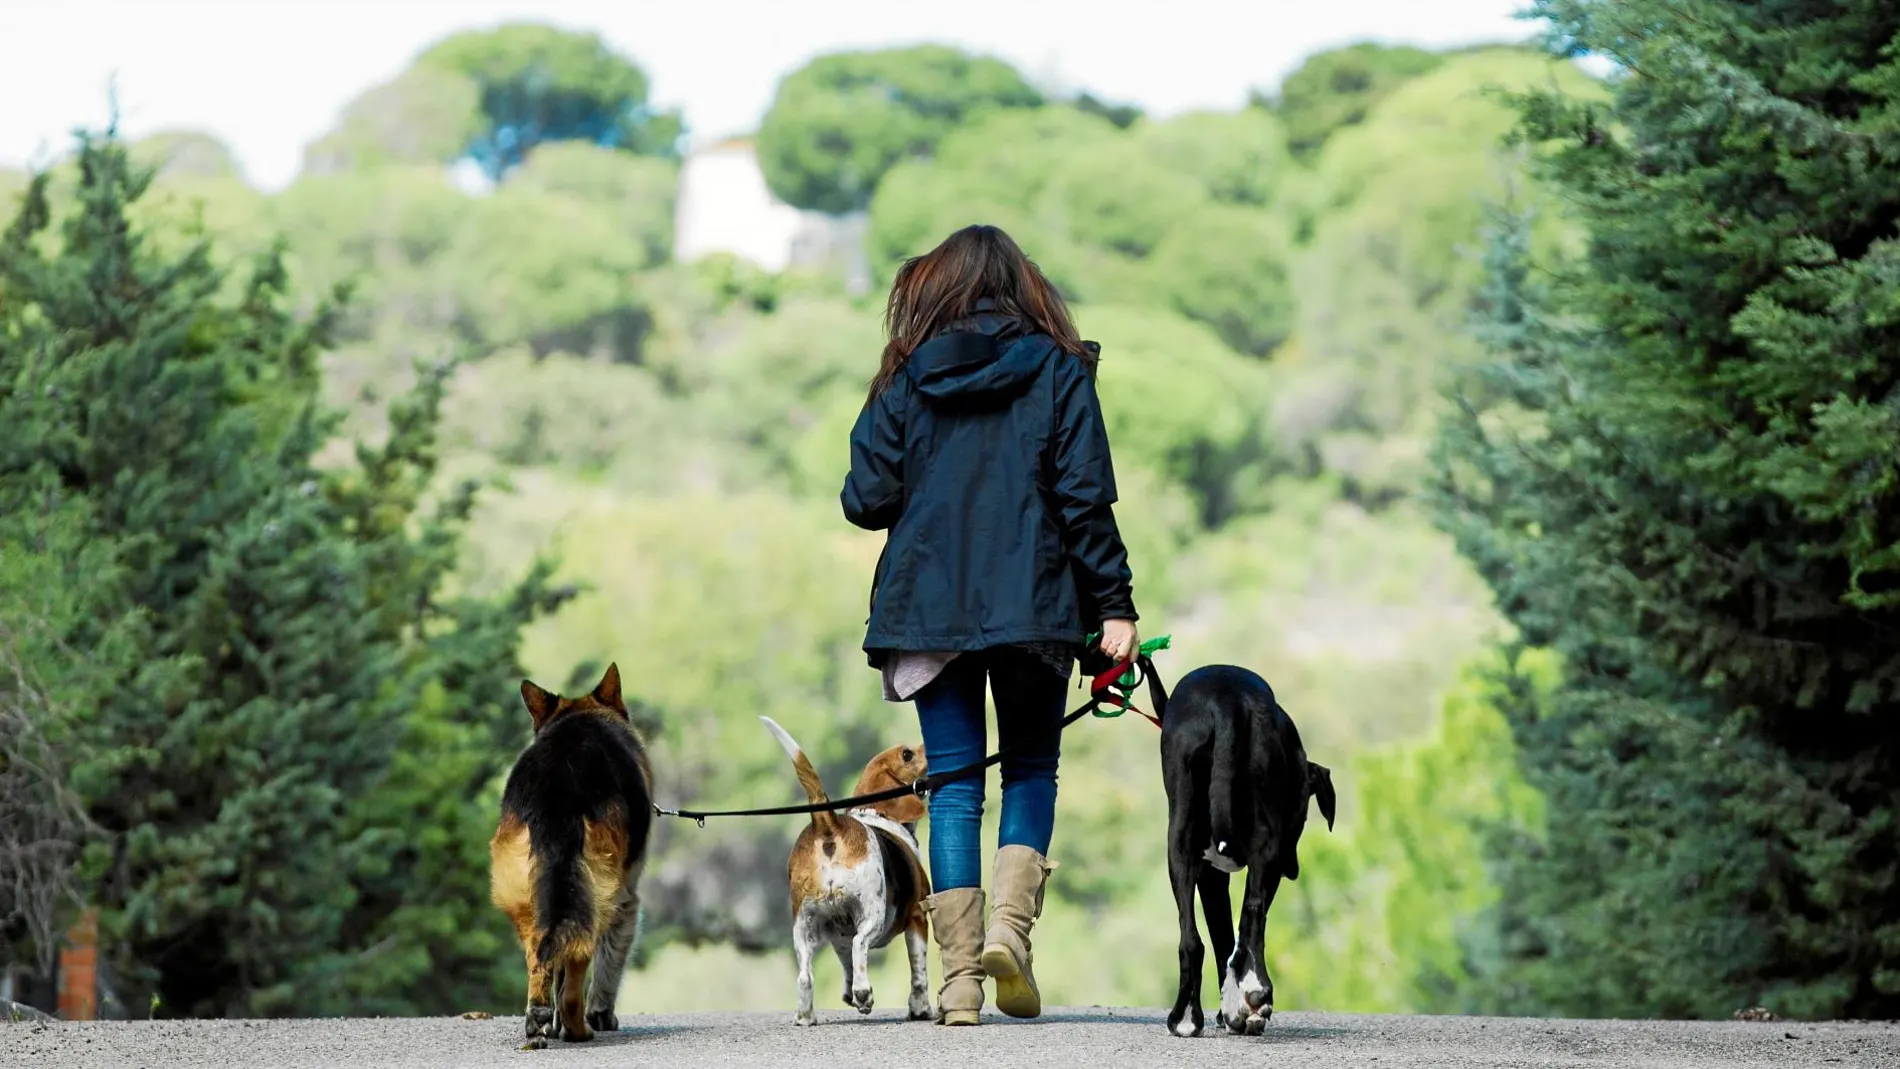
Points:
x=1238 y=782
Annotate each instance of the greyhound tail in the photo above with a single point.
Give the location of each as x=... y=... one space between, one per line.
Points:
x=824 y=820
x=1222 y=845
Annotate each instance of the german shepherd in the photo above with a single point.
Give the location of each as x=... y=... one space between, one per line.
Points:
x=565 y=861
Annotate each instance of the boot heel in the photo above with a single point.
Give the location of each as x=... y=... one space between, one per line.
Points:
x=1015 y=995
x=1007 y=957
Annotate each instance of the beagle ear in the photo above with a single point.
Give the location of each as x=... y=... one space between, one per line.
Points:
x=541 y=704
x=908 y=809
x=1319 y=783
x=607 y=692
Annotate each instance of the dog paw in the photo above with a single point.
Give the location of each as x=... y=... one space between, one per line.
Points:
x=920 y=1008
x=540 y=1027
x=603 y=1021
x=1237 y=1023
x=1257 y=1025
x=862 y=1000
x=1184 y=1024
x=805 y=1020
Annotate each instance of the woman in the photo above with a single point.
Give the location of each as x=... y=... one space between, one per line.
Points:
x=981 y=450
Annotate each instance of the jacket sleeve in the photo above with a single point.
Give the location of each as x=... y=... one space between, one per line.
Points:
x=1085 y=493
x=873 y=496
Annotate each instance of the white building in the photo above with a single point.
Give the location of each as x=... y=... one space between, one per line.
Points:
x=724 y=206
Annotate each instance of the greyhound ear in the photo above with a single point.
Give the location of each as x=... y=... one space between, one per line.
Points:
x=1319 y=783
x=541 y=704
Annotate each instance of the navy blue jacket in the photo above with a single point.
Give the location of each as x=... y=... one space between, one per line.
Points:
x=987 y=463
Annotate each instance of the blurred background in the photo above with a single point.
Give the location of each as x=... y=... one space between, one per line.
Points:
x=456 y=342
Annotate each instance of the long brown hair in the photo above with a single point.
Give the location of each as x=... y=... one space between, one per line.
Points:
x=944 y=285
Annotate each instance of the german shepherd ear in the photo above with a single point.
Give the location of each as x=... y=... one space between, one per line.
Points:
x=541 y=704
x=1319 y=784
x=607 y=692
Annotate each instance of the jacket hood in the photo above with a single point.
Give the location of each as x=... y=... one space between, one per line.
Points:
x=967 y=367
x=984 y=358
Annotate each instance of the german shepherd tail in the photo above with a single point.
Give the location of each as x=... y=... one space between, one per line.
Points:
x=824 y=820
x=563 y=894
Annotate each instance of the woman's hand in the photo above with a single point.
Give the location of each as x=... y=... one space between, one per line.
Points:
x=1119 y=639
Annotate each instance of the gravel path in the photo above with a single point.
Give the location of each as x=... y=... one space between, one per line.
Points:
x=1087 y=1039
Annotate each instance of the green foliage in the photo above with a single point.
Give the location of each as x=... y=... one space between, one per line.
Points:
x=549 y=260
x=839 y=123
x=1113 y=217
x=543 y=270
x=1338 y=88
x=1404 y=878
x=992 y=171
x=1120 y=199
x=1178 y=400
x=185 y=152
x=1679 y=473
x=632 y=197
x=1122 y=115
x=240 y=640
x=1241 y=157
x=538 y=83
x=1227 y=267
x=425 y=115
x=1386 y=285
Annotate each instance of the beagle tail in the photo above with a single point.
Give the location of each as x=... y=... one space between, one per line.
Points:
x=824 y=820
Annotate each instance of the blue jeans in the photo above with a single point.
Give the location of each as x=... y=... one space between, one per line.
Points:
x=1028 y=694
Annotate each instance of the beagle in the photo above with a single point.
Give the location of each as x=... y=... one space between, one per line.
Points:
x=856 y=878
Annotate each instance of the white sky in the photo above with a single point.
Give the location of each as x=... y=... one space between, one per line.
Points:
x=268 y=76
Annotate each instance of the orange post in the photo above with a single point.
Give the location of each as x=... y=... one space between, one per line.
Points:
x=79 y=970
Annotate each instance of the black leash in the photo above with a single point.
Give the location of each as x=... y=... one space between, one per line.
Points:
x=1099 y=693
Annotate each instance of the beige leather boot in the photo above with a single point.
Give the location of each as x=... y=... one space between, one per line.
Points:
x=1020 y=876
x=956 y=917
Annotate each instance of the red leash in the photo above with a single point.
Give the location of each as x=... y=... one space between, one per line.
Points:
x=1104 y=685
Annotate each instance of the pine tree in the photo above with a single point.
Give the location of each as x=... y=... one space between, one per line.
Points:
x=1681 y=472
x=276 y=630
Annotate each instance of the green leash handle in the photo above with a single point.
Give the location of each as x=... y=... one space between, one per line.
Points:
x=1130 y=679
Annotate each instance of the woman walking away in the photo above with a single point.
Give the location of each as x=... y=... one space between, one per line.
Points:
x=981 y=451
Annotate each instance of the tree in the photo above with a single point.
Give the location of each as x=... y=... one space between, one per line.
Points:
x=837 y=124
x=425 y=115
x=1226 y=267
x=1241 y=157
x=538 y=83
x=1679 y=473
x=632 y=195
x=248 y=639
x=1122 y=115
x=994 y=170
x=1338 y=87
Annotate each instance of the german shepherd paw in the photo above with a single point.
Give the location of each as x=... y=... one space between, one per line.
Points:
x=540 y=1027
x=603 y=1021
